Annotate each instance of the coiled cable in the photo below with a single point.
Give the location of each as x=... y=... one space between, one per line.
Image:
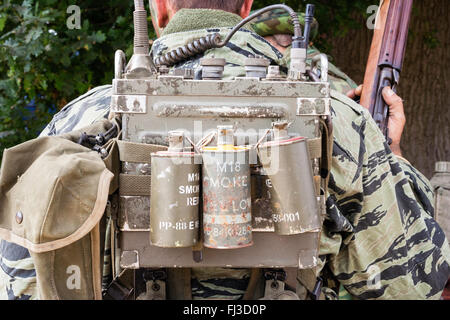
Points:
x=213 y=41
x=189 y=50
x=292 y=13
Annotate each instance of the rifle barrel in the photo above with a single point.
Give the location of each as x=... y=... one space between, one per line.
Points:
x=372 y=70
x=403 y=34
x=386 y=58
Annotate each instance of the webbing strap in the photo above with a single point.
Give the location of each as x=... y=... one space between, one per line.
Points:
x=308 y=279
x=317 y=180
x=315 y=148
x=327 y=157
x=134 y=185
x=137 y=152
x=112 y=163
x=308 y=284
x=141 y=152
x=255 y=278
x=179 y=284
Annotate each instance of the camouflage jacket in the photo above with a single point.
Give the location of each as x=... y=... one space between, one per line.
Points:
x=379 y=239
x=278 y=21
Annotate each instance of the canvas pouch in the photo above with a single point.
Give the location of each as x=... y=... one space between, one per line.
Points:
x=53 y=194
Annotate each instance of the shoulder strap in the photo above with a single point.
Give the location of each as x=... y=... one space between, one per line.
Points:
x=256 y=277
x=179 y=284
x=313 y=285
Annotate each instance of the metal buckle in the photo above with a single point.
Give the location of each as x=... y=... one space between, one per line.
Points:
x=315 y=294
x=279 y=275
x=116 y=291
x=155 y=284
x=154 y=275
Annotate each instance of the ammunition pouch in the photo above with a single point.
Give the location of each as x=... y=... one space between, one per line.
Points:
x=53 y=194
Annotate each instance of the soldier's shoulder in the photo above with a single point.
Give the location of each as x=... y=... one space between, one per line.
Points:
x=354 y=129
x=351 y=118
x=342 y=104
x=244 y=43
x=81 y=112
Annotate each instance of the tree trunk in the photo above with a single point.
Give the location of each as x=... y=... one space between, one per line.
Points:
x=424 y=83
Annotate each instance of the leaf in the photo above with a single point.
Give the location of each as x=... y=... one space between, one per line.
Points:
x=33 y=34
x=27 y=67
x=121 y=20
x=28 y=82
x=44 y=84
x=3 y=19
x=99 y=37
x=65 y=60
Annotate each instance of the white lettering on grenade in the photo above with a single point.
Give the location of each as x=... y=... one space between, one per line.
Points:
x=179 y=225
x=286 y=217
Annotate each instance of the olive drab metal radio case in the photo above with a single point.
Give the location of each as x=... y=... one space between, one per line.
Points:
x=154 y=102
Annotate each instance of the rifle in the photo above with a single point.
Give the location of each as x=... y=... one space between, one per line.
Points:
x=386 y=58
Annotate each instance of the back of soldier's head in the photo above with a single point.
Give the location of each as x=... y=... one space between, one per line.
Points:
x=163 y=10
x=233 y=6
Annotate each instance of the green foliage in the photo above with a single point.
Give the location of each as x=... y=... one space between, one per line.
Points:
x=431 y=40
x=43 y=62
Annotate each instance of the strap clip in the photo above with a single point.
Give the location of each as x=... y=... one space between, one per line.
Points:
x=117 y=291
x=153 y=275
x=278 y=274
x=315 y=294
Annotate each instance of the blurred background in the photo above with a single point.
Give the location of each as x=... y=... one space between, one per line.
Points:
x=44 y=64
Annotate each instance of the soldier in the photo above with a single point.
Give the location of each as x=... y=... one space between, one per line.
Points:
x=379 y=239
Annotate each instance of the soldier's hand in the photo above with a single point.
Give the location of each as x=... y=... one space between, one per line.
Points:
x=354 y=93
x=397 y=119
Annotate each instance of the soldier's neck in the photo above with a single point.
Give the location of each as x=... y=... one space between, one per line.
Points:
x=196 y=19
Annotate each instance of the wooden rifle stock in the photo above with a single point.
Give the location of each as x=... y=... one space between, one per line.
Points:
x=386 y=58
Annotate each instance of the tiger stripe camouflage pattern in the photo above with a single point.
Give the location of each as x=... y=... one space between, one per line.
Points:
x=279 y=22
x=17 y=274
x=219 y=283
x=379 y=239
x=89 y=108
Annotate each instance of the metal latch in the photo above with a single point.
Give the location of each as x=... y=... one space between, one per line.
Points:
x=155 y=282
x=117 y=291
x=275 y=275
x=315 y=294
